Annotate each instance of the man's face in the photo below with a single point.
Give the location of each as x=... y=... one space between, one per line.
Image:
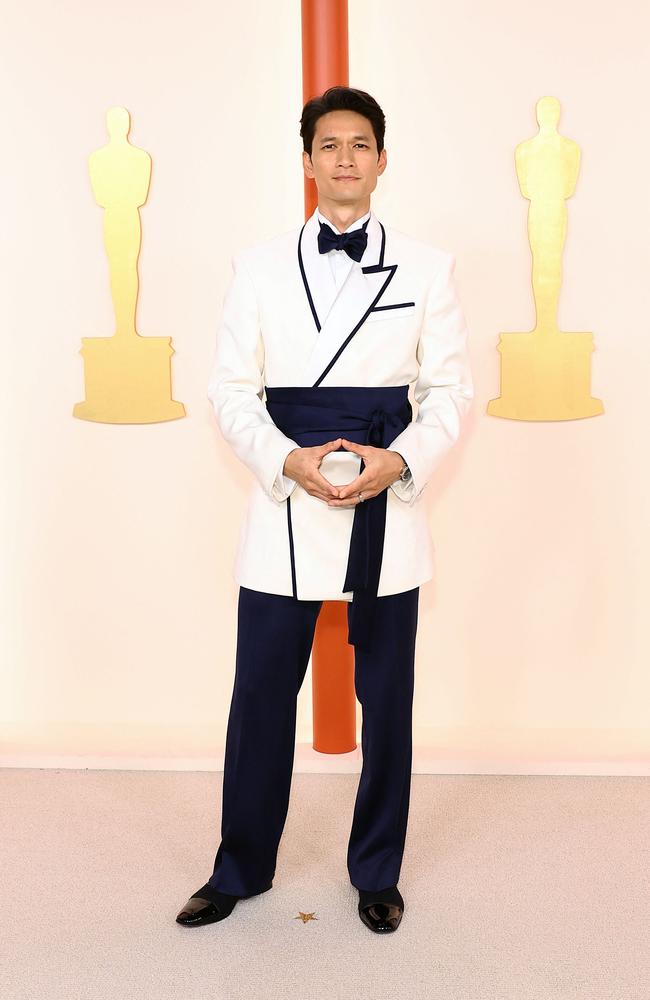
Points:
x=344 y=147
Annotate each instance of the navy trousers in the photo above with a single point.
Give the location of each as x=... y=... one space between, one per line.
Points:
x=274 y=640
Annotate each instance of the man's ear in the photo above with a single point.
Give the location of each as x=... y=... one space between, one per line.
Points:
x=306 y=162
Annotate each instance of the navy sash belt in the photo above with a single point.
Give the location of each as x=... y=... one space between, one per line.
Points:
x=373 y=415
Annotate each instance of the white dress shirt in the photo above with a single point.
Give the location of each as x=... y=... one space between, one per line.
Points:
x=340 y=261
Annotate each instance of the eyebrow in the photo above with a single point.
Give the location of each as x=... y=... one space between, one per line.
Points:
x=328 y=138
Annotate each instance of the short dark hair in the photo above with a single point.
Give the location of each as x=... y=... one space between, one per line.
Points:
x=341 y=99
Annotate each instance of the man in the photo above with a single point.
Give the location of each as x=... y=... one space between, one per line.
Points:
x=334 y=321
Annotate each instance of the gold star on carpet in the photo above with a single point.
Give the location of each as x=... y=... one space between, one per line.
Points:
x=305 y=916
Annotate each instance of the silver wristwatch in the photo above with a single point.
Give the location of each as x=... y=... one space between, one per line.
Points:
x=405 y=474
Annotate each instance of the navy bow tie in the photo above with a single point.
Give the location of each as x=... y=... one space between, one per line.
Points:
x=353 y=243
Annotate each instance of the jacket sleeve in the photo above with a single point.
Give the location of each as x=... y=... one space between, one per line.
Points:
x=236 y=388
x=443 y=389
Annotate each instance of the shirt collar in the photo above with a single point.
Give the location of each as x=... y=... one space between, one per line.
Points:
x=357 y=224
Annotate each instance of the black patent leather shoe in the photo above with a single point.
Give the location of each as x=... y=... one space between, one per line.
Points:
x=208 y=905
x=382 y=910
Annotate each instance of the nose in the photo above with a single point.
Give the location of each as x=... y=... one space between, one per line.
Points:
x=346 y=159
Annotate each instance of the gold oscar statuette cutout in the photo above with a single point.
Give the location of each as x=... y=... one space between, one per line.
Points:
x=546 y=373
x=127 y=376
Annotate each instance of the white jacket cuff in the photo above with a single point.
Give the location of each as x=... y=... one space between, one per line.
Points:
x=283 y=486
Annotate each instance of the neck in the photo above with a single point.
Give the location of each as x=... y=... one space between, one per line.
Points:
x=342 y=216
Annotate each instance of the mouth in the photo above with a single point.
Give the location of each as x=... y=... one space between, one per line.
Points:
x=345 y=178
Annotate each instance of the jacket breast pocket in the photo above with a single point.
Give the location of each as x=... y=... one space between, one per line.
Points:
x=399 y=310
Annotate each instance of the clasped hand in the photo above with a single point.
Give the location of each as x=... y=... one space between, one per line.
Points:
x=382 y=467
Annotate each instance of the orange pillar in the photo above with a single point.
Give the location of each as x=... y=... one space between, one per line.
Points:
x=325 y=64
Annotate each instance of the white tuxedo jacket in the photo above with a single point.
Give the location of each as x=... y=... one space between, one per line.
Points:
x=396 y=320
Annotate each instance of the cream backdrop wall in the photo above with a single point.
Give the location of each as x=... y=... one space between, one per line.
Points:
x=118 y=604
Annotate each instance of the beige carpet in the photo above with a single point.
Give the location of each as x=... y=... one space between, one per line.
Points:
x=515 y=887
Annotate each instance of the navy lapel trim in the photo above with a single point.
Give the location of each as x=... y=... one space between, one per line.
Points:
x=374 y=268
x=379 y=268
x=371 y=269
x=305 y=282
